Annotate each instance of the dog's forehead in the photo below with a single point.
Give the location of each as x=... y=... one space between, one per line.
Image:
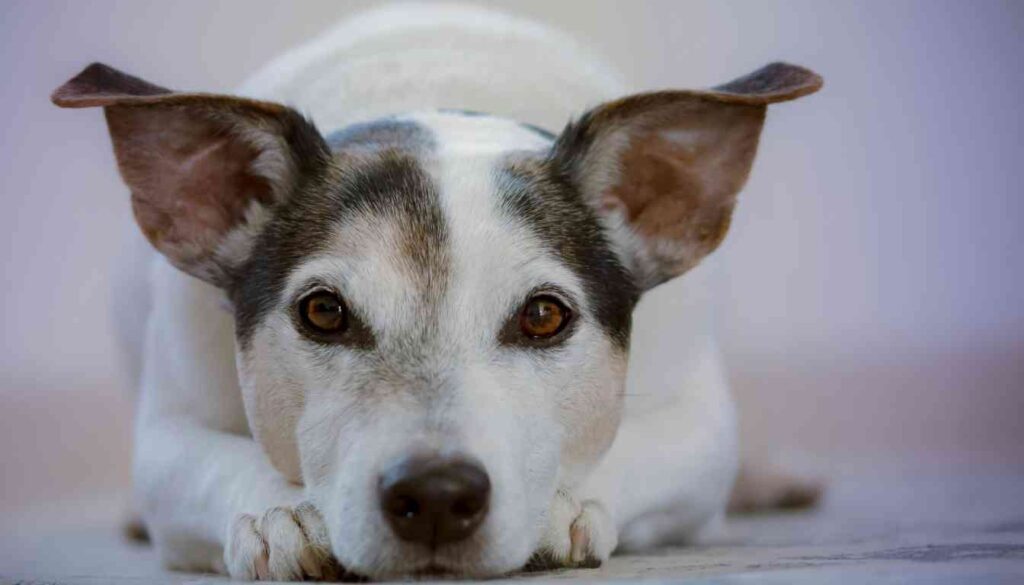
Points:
x=431 y=211
x=432 y=248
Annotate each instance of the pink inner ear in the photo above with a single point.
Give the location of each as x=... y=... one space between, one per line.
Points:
x=190 y=179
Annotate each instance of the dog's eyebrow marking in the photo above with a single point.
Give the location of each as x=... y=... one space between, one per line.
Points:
x=391 y=185
x=531 y=193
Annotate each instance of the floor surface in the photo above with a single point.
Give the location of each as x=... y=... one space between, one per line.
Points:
x=932 y=524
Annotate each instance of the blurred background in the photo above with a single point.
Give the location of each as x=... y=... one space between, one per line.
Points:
x=873 y=307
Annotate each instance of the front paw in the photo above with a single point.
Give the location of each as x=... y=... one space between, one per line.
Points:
x=284 y=544
x=578 y=535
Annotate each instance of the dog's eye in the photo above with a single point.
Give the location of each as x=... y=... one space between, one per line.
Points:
x=543 y=316
x=323 y=312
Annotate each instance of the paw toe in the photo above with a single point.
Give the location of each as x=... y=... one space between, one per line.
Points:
x=284 y=544
x=579 y=536
x=246 y=554
x=593 y=535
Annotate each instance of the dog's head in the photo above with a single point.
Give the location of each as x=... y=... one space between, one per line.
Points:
x=433 y=310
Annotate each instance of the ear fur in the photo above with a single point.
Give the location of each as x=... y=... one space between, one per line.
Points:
x=664 y=168
x=204 y=170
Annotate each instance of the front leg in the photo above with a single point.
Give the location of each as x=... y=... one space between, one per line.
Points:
x=578 y=534
x=209 y=495
x=213 y=503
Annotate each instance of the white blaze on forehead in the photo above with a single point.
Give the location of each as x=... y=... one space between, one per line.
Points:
x=495 y=260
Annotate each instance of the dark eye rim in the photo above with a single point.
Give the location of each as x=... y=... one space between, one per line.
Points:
x=512 y=335
x=567 y=315
x=355 y=334
x=301 y=313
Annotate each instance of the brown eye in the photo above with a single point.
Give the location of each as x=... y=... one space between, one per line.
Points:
x=543 y=316
x=323 y=312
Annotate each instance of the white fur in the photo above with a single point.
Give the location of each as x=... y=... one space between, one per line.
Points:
x=410 y=57
x=205 y=484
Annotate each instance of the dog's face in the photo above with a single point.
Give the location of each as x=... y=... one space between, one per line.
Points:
x=433 y=310
x=437 y=295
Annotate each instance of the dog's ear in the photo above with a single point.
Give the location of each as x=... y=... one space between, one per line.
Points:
x=204 y=170
x=664 y=168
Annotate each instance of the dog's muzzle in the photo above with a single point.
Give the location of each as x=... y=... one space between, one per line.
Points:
x=433 y=500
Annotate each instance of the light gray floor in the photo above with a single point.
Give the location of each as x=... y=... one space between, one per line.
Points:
x=924 y=524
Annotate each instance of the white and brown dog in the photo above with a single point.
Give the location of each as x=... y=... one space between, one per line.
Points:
x=423 y=368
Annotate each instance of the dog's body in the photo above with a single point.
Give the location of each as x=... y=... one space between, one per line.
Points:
x=231 y=442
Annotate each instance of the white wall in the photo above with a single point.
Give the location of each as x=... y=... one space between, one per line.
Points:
x=874 y=266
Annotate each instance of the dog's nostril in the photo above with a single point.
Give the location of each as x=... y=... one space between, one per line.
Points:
x=403 y=507
x=435 y=501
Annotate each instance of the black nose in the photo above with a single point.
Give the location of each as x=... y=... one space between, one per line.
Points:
x=434 y=501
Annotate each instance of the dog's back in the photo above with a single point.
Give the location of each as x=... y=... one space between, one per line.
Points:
x=404 y=58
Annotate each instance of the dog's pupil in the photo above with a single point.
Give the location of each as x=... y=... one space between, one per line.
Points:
x=405 y=507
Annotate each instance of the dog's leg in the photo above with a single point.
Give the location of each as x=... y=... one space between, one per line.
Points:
x=578 y=534
x=670 y=470
x=209 y=495
x=667 y=476
x=213 y=502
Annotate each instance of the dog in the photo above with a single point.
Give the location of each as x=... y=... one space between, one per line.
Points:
x=388 y=336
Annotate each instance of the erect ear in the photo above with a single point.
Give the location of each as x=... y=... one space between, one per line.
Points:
x=204 y=170
x=663 y=169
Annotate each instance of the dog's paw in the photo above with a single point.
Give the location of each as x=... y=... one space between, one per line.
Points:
x=284 y=544
x=579 y=535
